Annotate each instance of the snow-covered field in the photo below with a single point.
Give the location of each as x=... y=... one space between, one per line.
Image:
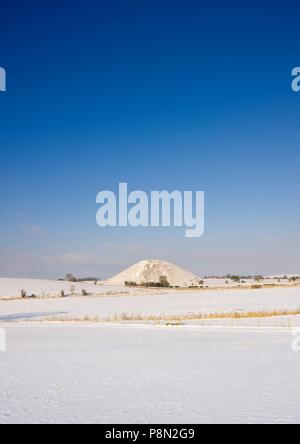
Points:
x=12 y=287
x=117 y=374
x=157 y=304
x=217 y=370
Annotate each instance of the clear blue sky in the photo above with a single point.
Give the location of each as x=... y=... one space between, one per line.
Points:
x=163 y=95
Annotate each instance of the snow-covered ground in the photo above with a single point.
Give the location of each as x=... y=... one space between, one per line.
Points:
x=118 y=374
x=164 y=304
x=225 y=370
x=12 y=287
x=218 y=282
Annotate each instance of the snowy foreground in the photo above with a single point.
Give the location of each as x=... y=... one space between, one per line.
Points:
x=127 y=374
x=56 y=370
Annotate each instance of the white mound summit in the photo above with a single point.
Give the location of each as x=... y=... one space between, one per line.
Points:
x=152 y=271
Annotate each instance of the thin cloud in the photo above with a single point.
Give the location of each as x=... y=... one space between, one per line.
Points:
x=35 y=230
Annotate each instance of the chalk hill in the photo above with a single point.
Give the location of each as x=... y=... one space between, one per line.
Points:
x=152 y=271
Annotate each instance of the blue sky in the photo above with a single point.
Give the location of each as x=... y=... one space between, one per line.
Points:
x=162 y=95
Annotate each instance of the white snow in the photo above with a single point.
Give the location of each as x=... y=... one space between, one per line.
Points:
x=12 y=287
x=214 y=371
x=111 y=374
x=160 y=304
x=152 y=271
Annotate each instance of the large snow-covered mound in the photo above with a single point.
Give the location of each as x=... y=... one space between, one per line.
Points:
x=152 y=271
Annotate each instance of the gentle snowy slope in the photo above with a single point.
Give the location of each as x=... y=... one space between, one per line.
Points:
x=11 y=288
x=153 y=304
x=70 y=374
